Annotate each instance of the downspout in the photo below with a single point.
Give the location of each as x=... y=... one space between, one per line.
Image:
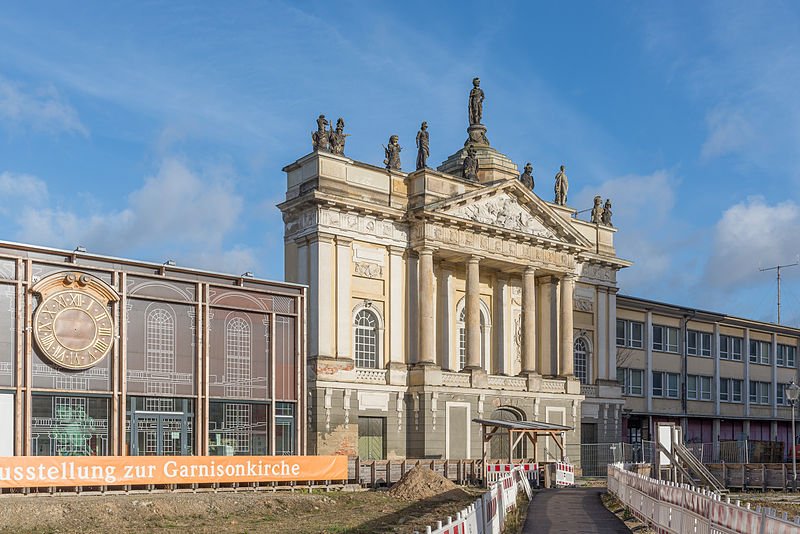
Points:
x=685 y=362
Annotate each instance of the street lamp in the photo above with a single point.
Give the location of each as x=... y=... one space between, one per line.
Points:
x=792 y=392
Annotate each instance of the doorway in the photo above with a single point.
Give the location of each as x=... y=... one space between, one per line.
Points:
x=160 y=427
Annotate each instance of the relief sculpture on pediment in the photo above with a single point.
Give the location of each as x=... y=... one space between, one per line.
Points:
x=505 y=212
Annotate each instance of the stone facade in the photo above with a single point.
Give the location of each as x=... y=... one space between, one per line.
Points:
x=434 y=300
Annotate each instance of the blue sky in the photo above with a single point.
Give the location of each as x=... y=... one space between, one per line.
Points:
x=159 y=130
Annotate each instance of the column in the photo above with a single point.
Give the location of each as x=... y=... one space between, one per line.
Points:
x=427 y=331
x=648 y=363
x=548 y=327
x=715 y=391
x=320 y=296
x=612 y=333
x=567 y=363
x=412 y=307
x=501 y=324
x=344 y=329
x=444 y=312
x=302 y=261
x=601 y=320
x=473 y=312
x=746 y=385
x=529 y=321
x=396 y=293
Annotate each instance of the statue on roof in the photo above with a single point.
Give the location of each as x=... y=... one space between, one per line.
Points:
x=527 y=176
x=319 y=138
x=422 y=146
x=607 y=213
x=337 y=138
x=597 y=210
x=471 y=164
x=392 y=152
x=561 y=187
x=476 y=97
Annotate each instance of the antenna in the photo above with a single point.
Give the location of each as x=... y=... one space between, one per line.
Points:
x=777 y=269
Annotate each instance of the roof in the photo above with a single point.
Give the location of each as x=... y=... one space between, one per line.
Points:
x=524 y=425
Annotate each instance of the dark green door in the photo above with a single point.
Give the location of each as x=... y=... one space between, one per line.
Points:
x=371 y=438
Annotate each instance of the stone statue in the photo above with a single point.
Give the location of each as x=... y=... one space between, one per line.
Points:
x=337 y=138
x=319 y=138
x=476 y=102
x=527 y=176
x=562 y=185
x=392 y=151
x=422 y=146
x=597 y=210
x=607 y=213
x=471 y=165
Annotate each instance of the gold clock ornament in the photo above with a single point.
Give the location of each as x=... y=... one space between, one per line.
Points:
x=72 y=325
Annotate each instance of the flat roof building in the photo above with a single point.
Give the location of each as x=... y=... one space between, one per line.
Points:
x=110 y=356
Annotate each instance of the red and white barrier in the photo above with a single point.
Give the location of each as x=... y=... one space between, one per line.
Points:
x=565 y=475
x=487 y=515
x=672 y=508
x=495 y=471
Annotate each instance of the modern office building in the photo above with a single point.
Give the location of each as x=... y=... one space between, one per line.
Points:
x=718 y=377
x=109 y=356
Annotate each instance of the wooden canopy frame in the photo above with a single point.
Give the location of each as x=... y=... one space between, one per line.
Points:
x=519 y=430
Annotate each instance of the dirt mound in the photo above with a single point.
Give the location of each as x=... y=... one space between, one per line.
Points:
x=422 y=483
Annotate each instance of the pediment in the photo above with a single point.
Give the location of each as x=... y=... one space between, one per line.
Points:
x=509 y=206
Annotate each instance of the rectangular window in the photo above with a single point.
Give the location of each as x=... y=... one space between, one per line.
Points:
x=764 y=392
x=637 y=337
x=786 y=355
x=636 y=382
x=672 y=339
x=658 y=384
x=672 y=385
x=621 y=330
x=730 y=348
x=705 y=388
x=780 y=398
x=698 y=343
x=736 y=390
x=658 y=338
x=736 y=348
x=760 y=351
x=753 y=392
x=69 y=426
x=780 y=356
x=759 y=392
x=791 y=356
x=724 y=390
x=285 y=428
x=691 y=387
x=237 y=429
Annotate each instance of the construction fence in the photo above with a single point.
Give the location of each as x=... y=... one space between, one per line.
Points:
x=673 y=508
x=488 y=514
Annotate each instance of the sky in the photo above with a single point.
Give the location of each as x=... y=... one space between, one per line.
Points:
x=158 y=130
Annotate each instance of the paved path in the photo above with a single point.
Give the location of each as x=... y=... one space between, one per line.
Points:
x=572 y=510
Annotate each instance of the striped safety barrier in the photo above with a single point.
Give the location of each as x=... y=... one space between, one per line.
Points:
x=495 y=471
x=565 y=475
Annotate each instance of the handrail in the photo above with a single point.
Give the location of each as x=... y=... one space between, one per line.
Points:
x=710 y=480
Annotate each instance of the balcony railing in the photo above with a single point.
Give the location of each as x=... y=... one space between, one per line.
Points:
x=371 y=376
x=589 y=390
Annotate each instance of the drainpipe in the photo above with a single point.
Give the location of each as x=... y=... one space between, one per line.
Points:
x=685 y=362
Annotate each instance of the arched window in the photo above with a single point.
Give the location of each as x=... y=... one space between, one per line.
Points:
x=365 y=348
x=581 y=359
x=462 y=335
x=160 y=339
x=500 y=441
x=237 y=358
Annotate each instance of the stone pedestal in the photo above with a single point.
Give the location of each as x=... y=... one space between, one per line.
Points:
x=534 y=381
x=478 y=378
x=476 y=136
x=425 y=374
x=492 y=165
x=396 y=374
x=572 y=385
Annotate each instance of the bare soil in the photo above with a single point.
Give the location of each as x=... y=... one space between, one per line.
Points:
x=423 y=483
x=779 y=500
x=222 y=513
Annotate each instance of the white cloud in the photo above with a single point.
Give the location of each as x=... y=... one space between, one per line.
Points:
x=178 y=213
x=643 y=208
x=39 y=109
x=751 y=235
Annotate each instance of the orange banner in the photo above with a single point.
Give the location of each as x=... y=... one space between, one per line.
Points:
x=45 y=471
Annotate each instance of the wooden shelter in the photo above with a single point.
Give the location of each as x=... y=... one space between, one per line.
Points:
x=519 y=430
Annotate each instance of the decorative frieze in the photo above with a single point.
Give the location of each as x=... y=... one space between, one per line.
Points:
x=367 y=270
x=503 y=211
x=340 y=223
x=591 y=272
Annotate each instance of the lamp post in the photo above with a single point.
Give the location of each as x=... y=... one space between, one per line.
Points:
x=792 y=392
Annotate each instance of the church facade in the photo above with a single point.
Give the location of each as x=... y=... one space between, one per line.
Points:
x=440 y=296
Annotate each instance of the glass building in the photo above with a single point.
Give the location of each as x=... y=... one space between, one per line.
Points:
x=108 y=356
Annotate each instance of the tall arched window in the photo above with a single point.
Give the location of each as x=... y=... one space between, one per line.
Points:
x=237 y=358
x=365 y=347
x=581 y=359
x=462 y=338
x=160 y=339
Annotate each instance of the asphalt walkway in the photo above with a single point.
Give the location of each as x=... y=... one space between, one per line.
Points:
x=572 y=510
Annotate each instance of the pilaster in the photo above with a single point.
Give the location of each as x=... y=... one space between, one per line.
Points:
x=529 y=321
x=344 y=328
x=321 y=296
x=567 y=361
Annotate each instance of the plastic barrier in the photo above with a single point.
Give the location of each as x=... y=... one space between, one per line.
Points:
x=488 y=514
x=495 y=471
x=565 y=475
x=672 y=508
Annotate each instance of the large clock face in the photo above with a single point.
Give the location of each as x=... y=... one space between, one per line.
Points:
x=73 y=329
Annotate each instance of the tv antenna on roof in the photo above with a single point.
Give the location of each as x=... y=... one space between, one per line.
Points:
x=778 y=268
